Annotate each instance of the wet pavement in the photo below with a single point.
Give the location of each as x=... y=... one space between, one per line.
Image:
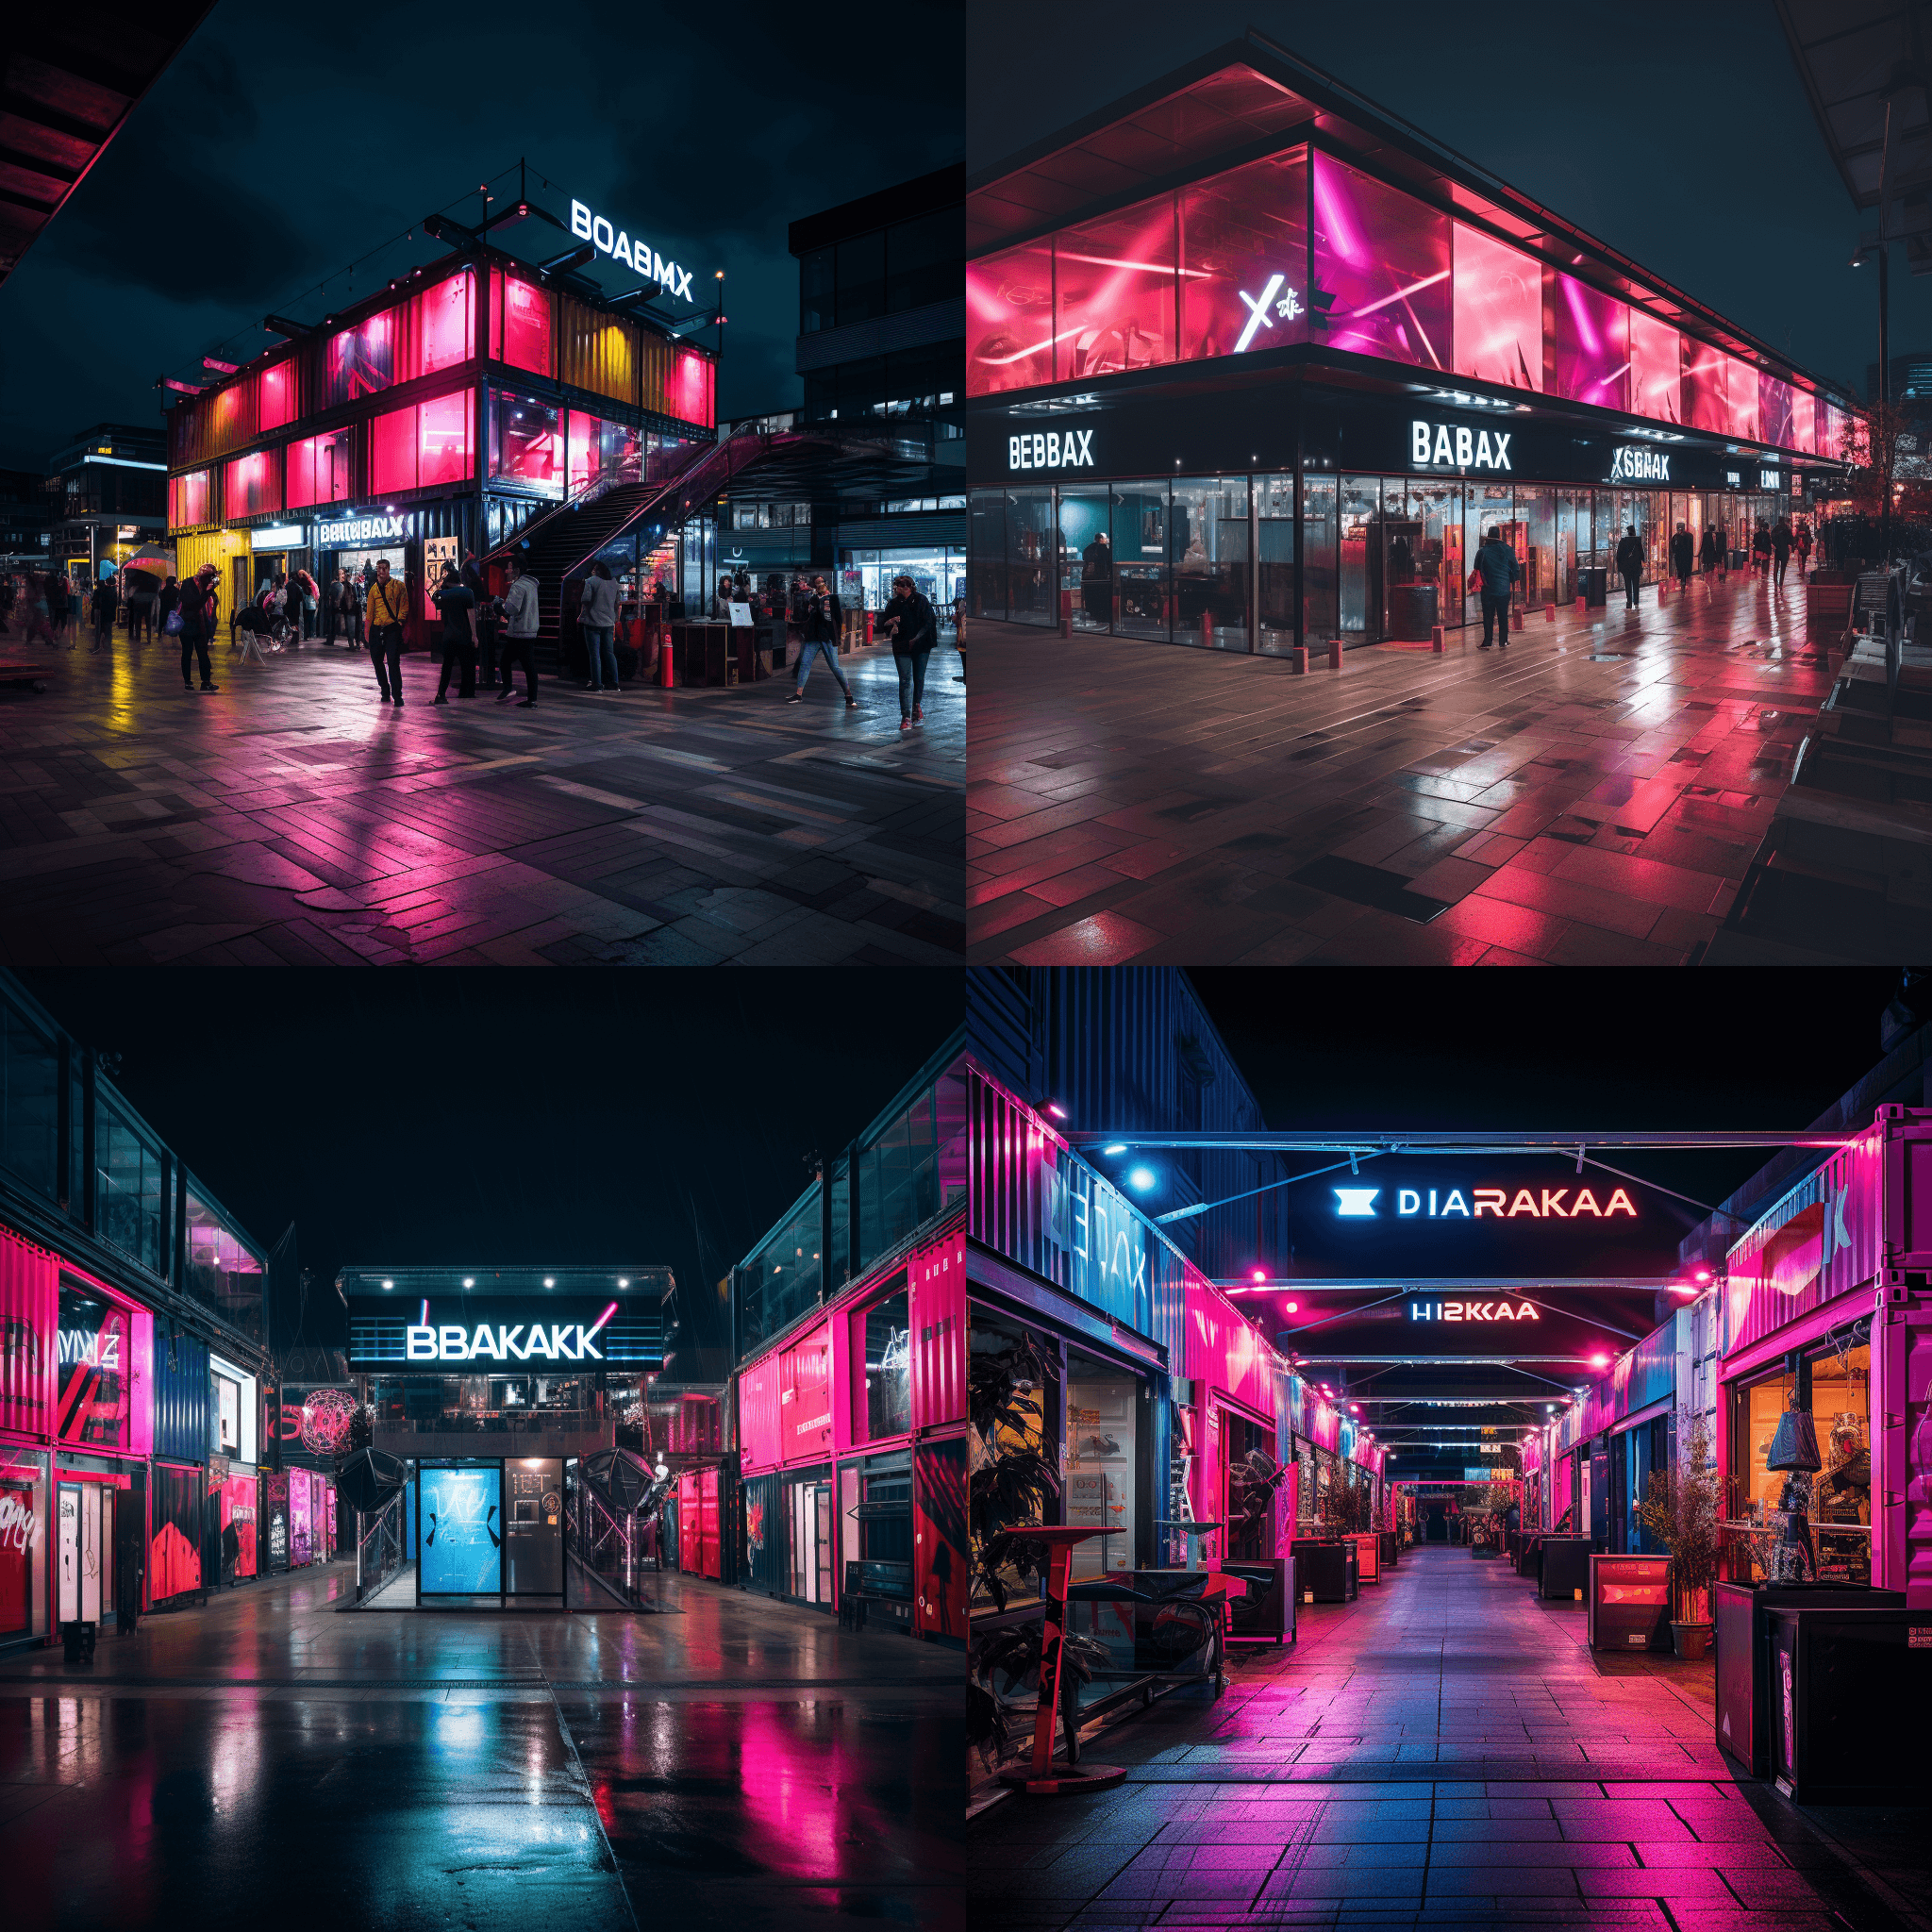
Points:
x=1595 y=797
x=291 y=818
x=271 y=1760
x=1445 y=1751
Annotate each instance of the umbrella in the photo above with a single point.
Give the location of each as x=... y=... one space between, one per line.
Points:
x=153 y=558
x=621 y=1476
x=369 y=1478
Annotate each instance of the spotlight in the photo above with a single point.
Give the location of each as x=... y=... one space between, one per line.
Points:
x=1140 y=1178
x=1117 y=1147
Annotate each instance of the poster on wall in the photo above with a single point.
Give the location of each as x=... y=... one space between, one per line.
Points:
x=174 y=1554
x=95 y=1363
x=236 y=1500
x=274 y=1509
x=436 y=551
x=941 y=1573
x=20 y=1533
x=301 y=1519
x=462 y=1532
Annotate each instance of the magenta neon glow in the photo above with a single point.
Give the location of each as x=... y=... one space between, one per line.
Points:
x=1122 y=316
x=1707 y=388
x=1656 y=370
x=422 y=1320
x=1586 y=357
x=1382 y=269
x=600 y=1320
x=1009 y=318
x=1239 y=232
x=1498 y=311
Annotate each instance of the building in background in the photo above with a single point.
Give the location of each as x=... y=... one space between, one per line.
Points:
x=25 y=518
x=106 y=496
x=133 y=1349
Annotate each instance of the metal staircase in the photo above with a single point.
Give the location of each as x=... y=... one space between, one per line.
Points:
x=610 y=1554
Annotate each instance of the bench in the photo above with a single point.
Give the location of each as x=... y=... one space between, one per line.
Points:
x=874 y=1582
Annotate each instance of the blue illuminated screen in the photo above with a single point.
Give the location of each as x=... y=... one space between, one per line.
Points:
x=462 y=1532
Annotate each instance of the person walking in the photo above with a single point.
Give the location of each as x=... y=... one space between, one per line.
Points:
x=597 y=619
x=40 y=615
x=140 y=608
x=519 y=634
x=332 y=604
x=914 y=628
x=10 y=591
x=167 y=603
x=488 y=621
x=199 y=609
x=388 y=604
x=310 y=598
x=106 y=602
x=354 y=598
x=1630 y=565
x=1682 y=553
x=820 y=637
x=1497 y=566
x=57 y=588
x=1707 y=553
x=1804 y=545
x=1760 y=548
x=456 y=603
x=1780 y=550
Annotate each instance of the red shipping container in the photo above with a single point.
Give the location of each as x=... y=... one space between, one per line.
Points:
x=938 y=1334
x=29 y=1318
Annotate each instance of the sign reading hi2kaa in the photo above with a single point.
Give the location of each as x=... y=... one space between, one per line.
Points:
x=635 y=255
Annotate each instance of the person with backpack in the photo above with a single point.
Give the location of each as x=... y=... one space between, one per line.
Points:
x=456 y=603
x=198 y=610
x=389 y=604
x=1804 y=546
x=1781 y=541
x=1630 y=565
x=519 y=634
x=819 y=624
x=597 y=619
x=914 y=628
x=311 y=599
x=1496 y=570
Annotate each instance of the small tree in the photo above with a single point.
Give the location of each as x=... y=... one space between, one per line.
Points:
x=1681 y=1511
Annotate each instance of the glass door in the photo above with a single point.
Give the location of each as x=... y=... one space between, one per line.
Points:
x=1360 y=510
x=1275 y=527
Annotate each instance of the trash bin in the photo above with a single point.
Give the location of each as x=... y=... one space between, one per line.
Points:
x=1412 y=612
x=1630 y=1603
x=1849 y=1692
x=1325 y=1572
x=1593 y=586
x=1566 y=1567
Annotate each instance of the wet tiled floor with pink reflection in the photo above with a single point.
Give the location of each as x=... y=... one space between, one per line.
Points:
x=1445 y=1751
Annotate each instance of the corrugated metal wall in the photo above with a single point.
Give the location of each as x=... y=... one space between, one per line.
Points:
x=180 y=1385
x=216 y=547
x=597 y=351
x=938 y=1276
x=764 y=1533
x=29 y=1319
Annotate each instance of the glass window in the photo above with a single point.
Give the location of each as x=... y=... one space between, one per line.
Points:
x=861 y=275
x=1009 y=318
x=1113 y=282
x=128 y=1191
x=525 y=447
x=227 y=1415
x=1032 y=557
x=29 y=1101
x=1775 y=399
x=1275 y=528
x=1485 y=507
x=393 y=451
x=1139 y=553
x=815 y=286
x=278 y=403
x=445 y=439
x=1208 y=537
x=888 y=1343
x=886 y=1529
x=97 y=1346
x=361 y=360
x=1320 y=618
x=1244 y=259
x=1706 y=386
x=223 y=1272
x=520 y=330
x=781 y=1281
x=444 y=325
x=1102 y=1411
x=252 y=484
x=1381 y=270
x=187 y=500
x=1657 y=372
x=986 y=586
x=1361 y=513
x=1587 y=335
x=318 y=471
x=1741 y=384
x=233 y=415
x=1803 y=426
x=1422 y=551
x=1498 y=311
x=1087 y=557
x=923 y=260
x=694 y=396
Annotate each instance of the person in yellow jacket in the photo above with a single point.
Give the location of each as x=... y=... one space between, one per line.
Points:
x=388 y=604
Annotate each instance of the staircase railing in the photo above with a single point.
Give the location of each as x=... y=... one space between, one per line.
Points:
x=380 y=1547
x=611 y=1551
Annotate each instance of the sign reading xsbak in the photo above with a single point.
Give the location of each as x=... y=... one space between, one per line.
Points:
x=1630 y=465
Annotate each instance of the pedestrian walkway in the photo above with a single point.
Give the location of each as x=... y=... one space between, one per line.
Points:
x=1593 y=797
x=1442 y=1752
x=292 y=819
x=743 y=1764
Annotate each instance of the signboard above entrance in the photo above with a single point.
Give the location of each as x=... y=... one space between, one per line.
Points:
x=518 y=1337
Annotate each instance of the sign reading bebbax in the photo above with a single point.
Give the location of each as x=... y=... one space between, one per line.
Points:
x=635 y=255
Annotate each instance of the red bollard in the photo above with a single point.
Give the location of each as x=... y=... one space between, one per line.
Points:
x=1206 y=631
x=1335 y=653
x=869 y=616
x=1663 y=584
x=1066 y=613
x=1435 y=637
x=667 y=660
x=1549 y=613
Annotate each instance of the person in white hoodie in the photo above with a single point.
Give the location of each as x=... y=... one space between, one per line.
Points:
x=520 y=633
x=597 y=619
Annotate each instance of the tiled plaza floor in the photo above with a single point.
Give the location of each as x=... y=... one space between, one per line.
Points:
x=1593 y=797
x=291 y=818
x=1443 y=1752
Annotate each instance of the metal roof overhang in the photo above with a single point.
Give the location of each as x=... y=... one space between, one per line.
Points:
x=68 y=82
x=1864 y=66
x=1251 y=97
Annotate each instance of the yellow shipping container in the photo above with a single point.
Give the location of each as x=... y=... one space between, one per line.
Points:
x=221 y=548
x=597 y=351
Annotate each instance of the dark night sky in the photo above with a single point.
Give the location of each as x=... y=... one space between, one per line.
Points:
x=1678 y=134
x=575 y=1118
x=1556 y=1049
x=283 y=144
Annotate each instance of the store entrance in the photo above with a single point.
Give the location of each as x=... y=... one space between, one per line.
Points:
x=811 y=1542
x=81 y=1587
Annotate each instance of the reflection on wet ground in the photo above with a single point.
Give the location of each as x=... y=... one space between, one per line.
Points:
x=268 y=1760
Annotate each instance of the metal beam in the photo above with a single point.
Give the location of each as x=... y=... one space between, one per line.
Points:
x=1450 y=1284
x=1401 y=1142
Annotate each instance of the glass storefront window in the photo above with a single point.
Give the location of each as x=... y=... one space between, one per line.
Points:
x=1359 y=513
x=1103 y=1410
x=781 y=1281
x=278 y=396
x=520 y=326
x=1657 y=368
x=29 y=1101
x=888 y=1341
x=1422 y=552
x=1319 y=580
x=1381 y=270
x=223 y=1272
x=1032 y=553
x=1498 y=311
x=444 y=328
x=187 y=497
x=1244 y=259
x=1707 y=388
x=1113 y=286
x=96 y=1349
x=1274 y=536
x=998 y=1350
x=1139 y=559
x=1536 y=516
x=986 y=553
x=1009 y=320
x=251 y=485
x=526 y=445
x=318 y=471
x=361 y=360
x=1776 y=401
x=1587 y=335
x=128 y=1191
x=1208 y=539
x=1802 y=433
x=1087 y=557
x=1836 y=1500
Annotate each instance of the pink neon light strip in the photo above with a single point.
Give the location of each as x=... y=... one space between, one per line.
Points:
x=1000 y=361
x=1403 y=295
x=601 y=1320
x=1153 y=268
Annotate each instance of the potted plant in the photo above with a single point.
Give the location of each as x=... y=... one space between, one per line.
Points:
x=1680 y=1510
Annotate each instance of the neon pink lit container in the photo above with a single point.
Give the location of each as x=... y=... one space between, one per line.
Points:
x=1498 y=311
x=1114 y=292
x=1586 y=343
x=30 y=1317
x=1009 y=320
x=938 y=1280
x=1381 y=270
x=1244 y=259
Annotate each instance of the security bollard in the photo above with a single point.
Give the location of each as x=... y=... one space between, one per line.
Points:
x=1206 y=630
x=1066 y=613
x=1300 y=658
x=1549 y=613
x=1435 y=637
x=1335 y=653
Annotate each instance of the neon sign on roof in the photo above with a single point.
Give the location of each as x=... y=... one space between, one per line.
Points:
x=638 y=255
x=1451 y=1203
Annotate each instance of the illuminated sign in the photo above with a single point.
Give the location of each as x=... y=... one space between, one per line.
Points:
x=1473 y=1312
x=635 y=255
x=362 y=530
x=1629 y=465
x=279 y=537
x=1453 y=444
x=1770 y=479
x=561 y=1341
x=1277 y=298
x=1050 y=449
x=1453 y=1204
x=1734 y=479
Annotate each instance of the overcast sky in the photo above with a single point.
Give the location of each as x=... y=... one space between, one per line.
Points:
x=285 y=144
x=1678 y=133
